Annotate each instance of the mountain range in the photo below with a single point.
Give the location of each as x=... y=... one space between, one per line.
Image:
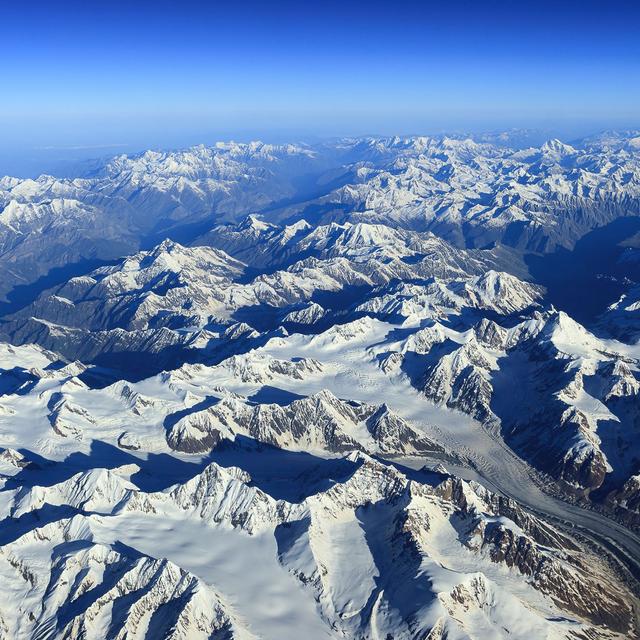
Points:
x=369 y=388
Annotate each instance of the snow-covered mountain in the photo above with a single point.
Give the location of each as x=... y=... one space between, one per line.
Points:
x=475 y=193
x=341 y=390
x=320 y=422
x=132 y=200
x=470 y=192
x=148 y=300
x=367 y=551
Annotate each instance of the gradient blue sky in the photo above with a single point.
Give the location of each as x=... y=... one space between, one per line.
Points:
x=126 y=75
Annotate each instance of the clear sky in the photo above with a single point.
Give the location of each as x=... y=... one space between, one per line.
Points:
x=125 y=75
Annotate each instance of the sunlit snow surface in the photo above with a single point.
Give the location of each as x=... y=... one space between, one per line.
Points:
x=249 y=572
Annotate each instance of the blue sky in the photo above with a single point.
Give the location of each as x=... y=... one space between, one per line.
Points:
x=116 y=76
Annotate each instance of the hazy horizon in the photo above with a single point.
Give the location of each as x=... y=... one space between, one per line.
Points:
x=69 y=160
x=123 y=78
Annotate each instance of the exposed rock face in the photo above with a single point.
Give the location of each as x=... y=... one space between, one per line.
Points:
x=318 y=423
x=195 y=433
